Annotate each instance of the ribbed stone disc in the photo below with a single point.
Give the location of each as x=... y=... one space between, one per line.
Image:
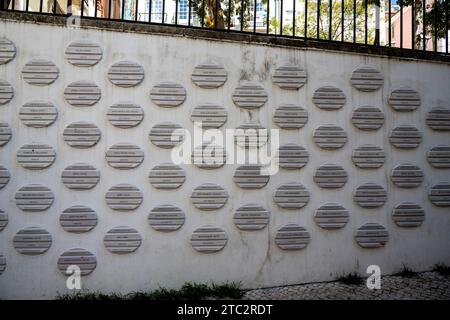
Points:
x=251 y=135
x=209 y=239
x=166 y=218
x=34 y=197
x=368 y=157
x=330 y=137
x=209 y=116
x=38 y=114
x=290 y=77
x=40 y=72
x=331 y=216
x=122 y=240
x=407 y=176
x=6 y=92
x=291 y=196
x=5 y=133
x=292 y=156
x=209 y=196
x=3 y=219
x=251 y=177
x=167 y=176
x=80 y=176
x=125 y=115
x=439 y=194
x=209 y=75
x=251 y=217
x=32 y=241
x=36 y=156
x=81 y=134
x=4 y=177
x=404 y=99
x=370 y=195
x=85 y=260
x=372 y=235
x=168 y=94
x=124 y=156
x=292 y=237
x=330 y=176
x=366 y=78
x=78 y=219
x=7 y=50
x=405 y=137
x=249 y=95
x=408 y=214
x=166 y=135
x=290 y=117
x=329 y=98
x=83 y=53
x=209 y=156
x=82 y=94
x=2 y=264
x=439 y=156
x=368 y=118
x=438 y=118
x=124 y=197
x=126 y=74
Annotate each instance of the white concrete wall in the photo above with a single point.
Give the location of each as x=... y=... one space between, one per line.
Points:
x=167 y=259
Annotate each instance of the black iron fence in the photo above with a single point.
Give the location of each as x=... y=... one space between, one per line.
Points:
x=407 y=24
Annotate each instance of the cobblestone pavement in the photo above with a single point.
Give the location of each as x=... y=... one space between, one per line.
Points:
x=422 y=286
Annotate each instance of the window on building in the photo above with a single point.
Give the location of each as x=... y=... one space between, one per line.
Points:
x=183 y=9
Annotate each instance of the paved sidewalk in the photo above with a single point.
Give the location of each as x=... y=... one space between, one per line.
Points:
x=426 y=285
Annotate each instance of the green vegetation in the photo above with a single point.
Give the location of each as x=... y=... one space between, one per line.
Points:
x=189 y=291
x=351 y=278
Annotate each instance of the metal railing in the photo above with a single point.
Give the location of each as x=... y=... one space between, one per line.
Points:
x=406 y=24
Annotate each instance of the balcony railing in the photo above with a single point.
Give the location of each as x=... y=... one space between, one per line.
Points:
x=406 y=24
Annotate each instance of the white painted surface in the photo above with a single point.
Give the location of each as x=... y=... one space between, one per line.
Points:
x=167 y=259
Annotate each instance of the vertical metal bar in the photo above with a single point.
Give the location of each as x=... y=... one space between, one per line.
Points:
x=13 y=5
x=254 y=18
x=163 y=11
x=81 y=3
x=216 y=13
x=413 y=18
x=136 y=11
x=365 y=21
x=202 y=23
x=446 y=26
x=176 y=12
x=306 y=19
x=401 y=24
x=27 y=4
x=424 y=29
x=342 y=20
x=242 y=15
x=96 y=6
x=293 y=18
x=330 y=29
x=390 y=24
x=229 y=15
x=123 y=10
x=318 y=19
x=267 y=17
x=281 y=17
x=109 y=9
x=354 y=21
x=435 y=25
x=189 y=13
x=54 y=6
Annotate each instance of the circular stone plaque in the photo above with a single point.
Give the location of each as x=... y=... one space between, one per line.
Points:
x=7 y=50
x=251 y=217
x=368 y=118
x=292 y=156
x=209 y=239
x=407 y=175
x=81 y=134
x=122 y=240
x=368 y=157
x=329 y=98
x=289 y=77
x=292 y=237
x=38 y=114
x=404 y=99
x=251 y=177
x=209 y=75
x=291 y=196
x=330 y=176
x=166 y=135
x=405 y=137
x=82 y=94
x=40 y=72
x=290 y=117
x=82 y=258
x=83 y=53
x=124 y=156
x=209 y=196
x=330 y=137
x=6 y=92
x=408 y=214
x=168 y=94
x=438 y=118
x=34 y=197
x=251 y=135
x=210 y=116
x=125 y=115
x=439 y=194
x=366 y=78
x=124 y=197
x=5 y=133
x=249 y=95
x=372 y=235
x=209 y=156
x=80 y=176
x=78 y=219
x=167 y=176
x=331 y=216
x=2 y=263
x=370 y=195
x=3 y=219
x=126 y=74
x=36 y=156
x=32 y=241
x=4 y=176
x=166 y=218
x=439 y=156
